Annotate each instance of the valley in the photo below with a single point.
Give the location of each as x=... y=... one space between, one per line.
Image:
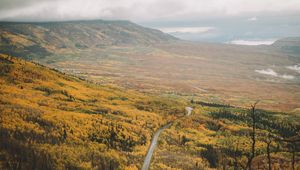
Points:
x=148 y=60
x=94 y=94
x=225 y=74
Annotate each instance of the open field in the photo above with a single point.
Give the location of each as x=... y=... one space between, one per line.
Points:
x=216 y=73
x=139 y=58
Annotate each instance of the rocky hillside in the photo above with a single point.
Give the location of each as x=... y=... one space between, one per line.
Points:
x=42 y=39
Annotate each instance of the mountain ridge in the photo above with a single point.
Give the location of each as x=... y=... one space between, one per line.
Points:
x=35 y=39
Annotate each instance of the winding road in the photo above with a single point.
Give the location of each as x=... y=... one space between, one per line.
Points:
x=153 y=144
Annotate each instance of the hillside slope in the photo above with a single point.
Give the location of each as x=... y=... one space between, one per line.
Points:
x=41 y=39
x=54 y=121
x=49 y=120
x=289 y=45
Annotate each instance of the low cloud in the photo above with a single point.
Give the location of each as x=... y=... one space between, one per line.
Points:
x=271 y=72
x=252 y=42
x=285 y=76
x=294 y=68
x=267 y=72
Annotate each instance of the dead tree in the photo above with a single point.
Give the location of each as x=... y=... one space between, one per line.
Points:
x=268 y=142
x=253 y=134
x=293 y=144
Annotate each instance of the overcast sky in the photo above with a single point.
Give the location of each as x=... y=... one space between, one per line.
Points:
x=205 y=17
x=138 y=10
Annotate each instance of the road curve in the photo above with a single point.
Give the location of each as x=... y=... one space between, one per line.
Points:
x=188 y=111
x=153 y=144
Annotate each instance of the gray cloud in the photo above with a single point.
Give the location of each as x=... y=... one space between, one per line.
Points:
x=140 y=10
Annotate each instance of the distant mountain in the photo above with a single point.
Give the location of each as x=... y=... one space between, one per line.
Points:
x=290 y=45
x=44 y=38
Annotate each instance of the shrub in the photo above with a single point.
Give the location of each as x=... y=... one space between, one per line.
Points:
x=211 y=154
x=47 y=90
x=4 y=69
x=213 y=125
